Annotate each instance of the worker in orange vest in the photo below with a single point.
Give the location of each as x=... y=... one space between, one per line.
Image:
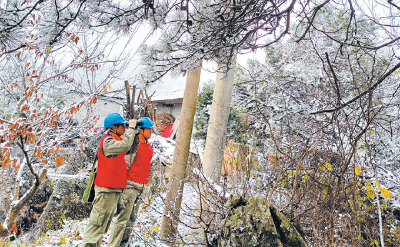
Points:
x=111 y=176
x=139 y=165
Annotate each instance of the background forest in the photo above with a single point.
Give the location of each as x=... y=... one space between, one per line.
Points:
x=311 y=125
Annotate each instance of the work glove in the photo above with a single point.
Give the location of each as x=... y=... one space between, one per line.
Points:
x=132 y=123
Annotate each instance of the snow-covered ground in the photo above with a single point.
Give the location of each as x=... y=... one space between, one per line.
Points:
x=148 y=224
x=145 y=233
x=147 y=227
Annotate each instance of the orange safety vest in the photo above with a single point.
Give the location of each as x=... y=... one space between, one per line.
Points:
x=111 y=172
x=140 y=169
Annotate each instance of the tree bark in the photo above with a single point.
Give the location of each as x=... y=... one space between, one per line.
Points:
x=16 y=208
x=176 y=184
x=213 y=157
x=217 y=125
x=3 y=230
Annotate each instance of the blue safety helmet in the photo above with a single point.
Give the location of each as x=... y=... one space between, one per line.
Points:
x=113 y=118
x=147 y=124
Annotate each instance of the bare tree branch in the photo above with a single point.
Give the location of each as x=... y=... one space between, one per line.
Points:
x=374 y=86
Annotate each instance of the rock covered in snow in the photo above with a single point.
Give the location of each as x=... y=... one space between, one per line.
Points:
x=253 y=223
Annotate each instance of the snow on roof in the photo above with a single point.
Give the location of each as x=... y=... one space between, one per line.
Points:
x=166 y=88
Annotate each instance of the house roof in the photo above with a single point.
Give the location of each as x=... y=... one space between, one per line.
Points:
x=167 y=101
x=167 y=88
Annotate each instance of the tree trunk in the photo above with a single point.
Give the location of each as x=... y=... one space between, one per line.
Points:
x=218 y=122
x=175 y=187
x=215 y=141
x=16 y=209
x=3 y=230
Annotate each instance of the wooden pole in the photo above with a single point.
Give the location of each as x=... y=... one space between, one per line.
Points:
x=137 y=103
x=128 y=98
x=133 y=102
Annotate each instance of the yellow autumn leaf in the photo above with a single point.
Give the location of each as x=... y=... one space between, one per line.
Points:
x=395 y=71
x=370 y=192
x=357 y=170
x=325 y=191
x=63 y=240
x=329 y=166
x=147 y=236
x=385 y=192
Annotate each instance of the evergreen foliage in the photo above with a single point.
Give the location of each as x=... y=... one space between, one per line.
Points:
x=202 y=115
x=237 y=127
